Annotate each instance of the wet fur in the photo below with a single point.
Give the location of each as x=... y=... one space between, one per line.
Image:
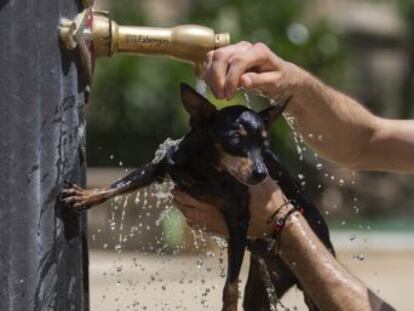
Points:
x=195 y=167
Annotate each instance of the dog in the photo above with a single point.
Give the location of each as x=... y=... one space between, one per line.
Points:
x=225 y=152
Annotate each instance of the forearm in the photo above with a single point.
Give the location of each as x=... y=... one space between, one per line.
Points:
x=335 y=125
x=329 y=284
x=391 y=147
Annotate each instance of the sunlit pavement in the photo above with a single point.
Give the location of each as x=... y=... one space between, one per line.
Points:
x=134 y=281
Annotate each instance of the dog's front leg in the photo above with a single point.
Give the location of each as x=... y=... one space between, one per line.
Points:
x=79 y=198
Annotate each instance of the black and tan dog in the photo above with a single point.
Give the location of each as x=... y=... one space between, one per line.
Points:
x=226 y=151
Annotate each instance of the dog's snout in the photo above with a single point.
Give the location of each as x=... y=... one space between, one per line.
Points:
x=259 y=172
x=258 y=176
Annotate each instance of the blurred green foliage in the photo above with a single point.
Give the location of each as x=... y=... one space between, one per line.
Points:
x=135 y=100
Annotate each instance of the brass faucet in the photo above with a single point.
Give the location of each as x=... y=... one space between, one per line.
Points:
x=96 y=35
x=188 y=43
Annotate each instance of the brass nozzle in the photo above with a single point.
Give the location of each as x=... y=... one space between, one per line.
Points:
x=188 y=43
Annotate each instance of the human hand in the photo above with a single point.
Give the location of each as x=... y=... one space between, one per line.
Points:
x=253 y=67
x=265 y=199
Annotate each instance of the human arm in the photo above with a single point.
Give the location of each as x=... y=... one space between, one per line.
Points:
x=335 y=125
x=329 y=284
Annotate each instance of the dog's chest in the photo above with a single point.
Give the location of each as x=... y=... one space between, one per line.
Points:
x=192 y=166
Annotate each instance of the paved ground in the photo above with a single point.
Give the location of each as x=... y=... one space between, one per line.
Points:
x=134 y=281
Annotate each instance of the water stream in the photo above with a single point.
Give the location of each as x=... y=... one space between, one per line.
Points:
x=270 y=288
x=201 y=87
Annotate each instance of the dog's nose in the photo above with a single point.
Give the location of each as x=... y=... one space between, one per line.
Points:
x=258 y=176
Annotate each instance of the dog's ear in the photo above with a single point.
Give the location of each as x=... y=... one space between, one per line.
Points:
x=271 y=114
x=201 y=111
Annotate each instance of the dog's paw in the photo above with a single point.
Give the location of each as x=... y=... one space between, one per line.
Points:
x=81 y=199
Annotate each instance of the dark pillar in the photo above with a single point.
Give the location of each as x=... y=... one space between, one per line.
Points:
x=43 y=251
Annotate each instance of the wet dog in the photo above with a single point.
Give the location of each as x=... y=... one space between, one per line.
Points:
x=225 y=152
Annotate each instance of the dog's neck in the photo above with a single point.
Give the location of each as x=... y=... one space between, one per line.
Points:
x=197 y=147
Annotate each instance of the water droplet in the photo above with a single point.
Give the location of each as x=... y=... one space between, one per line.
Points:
x=341 y=182
x=359 y=257
x=199 y=263
x=319 y=166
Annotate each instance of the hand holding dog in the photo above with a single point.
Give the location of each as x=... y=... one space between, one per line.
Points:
x=265 y=200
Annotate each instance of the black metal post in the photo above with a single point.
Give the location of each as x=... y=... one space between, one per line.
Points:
x=43 y=248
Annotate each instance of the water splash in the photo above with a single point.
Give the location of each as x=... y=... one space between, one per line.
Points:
x=274 y=300
x=360 y=257
x=121 y=226
x=353 y=180
x=201 y=87
x=297 y=138
x=247 y=100
x=164 y=147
